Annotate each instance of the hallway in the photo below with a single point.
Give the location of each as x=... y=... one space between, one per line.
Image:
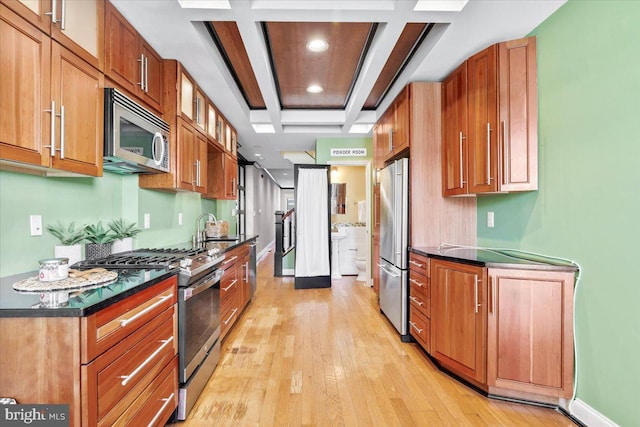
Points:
x=328 y=357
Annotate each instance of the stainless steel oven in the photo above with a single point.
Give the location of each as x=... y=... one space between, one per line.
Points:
x=198 y=337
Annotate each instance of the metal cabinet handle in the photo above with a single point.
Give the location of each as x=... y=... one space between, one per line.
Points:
x=477 y=305
x=493 y=296
x=63 y=21
x=199 y=170
x=414 y=326
x=416 y=263
x=505 y=155
x=62 y=139
x=146 y=74
x=54 y=12
x=488 y=153
x=127 y=378
x=246 y=271
x=416 y=300
x=233 y=313
x=167 y=401
x=416 y=282
x=391 y=140
x=229 y=260
x=53 y=128
x=390 y=273
x=230 y=286
x=461 y=162
x=141 y=61
x=125 y=322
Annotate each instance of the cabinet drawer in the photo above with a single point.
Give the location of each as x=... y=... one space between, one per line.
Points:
x=157 y=402
x=418 y=300
x=229 y=284
x=230 y=258
x=229 y=314
x=104 y=329
x=119 y=375
x=420 y=328
x=419 y=264
x=419 y=284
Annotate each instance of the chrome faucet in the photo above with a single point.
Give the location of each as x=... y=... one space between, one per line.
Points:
x=198 y=236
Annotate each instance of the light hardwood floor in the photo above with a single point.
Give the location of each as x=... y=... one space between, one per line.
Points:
x=328 y=357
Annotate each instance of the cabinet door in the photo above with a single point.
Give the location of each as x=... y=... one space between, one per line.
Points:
x=459 y=318
x=401 y=122
x=80 y=29
x=230 y=177
x=212 y=125
x=77 y=88
x=186 y=156
x=201 y=163
x=25 y=85
x=483 y=119
x=518 y=128
x=454 y=133
x=234 y=143
x=187 y=97
x=37 y=12
x=124 y=63
x=153 y=74
x=200 y=113
x=530 y=331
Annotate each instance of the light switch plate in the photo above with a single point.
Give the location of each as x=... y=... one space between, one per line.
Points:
x=180 y=218
x=147 y=220
x=490 y=220
x=35 y=222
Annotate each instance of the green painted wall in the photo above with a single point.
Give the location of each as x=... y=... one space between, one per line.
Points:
x=86 y=200
x=324 y=146
x=588 y=204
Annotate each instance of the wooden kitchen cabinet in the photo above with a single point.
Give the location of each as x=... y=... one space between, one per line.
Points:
x=39 y=75
x=192 y=103
x=530 y=333
x=110 y=366
x=131 y=62
x=235 y=287
x=459 y=319
x=77 y=25
x=420 y=300
x=222 y=176
x=489 y=121
x=214 y=124
x=192 y=155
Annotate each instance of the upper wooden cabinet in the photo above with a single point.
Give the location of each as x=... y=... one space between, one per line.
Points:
x=222 y=175
x=489 y=121
x=392 y=132
x=131 y=62
x=192 y=156
x=52 y=102
x=77 y=25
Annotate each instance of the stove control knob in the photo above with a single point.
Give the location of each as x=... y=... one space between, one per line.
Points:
x=186 y=262
x=212 y=253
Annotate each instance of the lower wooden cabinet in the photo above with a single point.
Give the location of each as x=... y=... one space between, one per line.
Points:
x=459 y=318
x=234 y=287
x=530 y=332
x=115 y=367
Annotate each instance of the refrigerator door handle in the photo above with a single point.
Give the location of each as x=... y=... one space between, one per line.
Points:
x=390 y=273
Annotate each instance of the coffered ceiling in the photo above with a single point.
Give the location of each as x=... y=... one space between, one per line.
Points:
x=251 y=58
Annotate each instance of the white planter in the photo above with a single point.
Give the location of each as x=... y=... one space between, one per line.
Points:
x=122 y=245
x=73 y=252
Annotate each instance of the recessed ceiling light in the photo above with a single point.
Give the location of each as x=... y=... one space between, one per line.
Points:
x=361 y=128
x=205 y=4
x=263 y=128
x=317 y=45
x=440 y=5
x=314 y=89
x=258 y=154
x=285 y=174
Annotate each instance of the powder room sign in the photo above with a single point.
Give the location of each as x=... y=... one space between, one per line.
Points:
x=348 y=152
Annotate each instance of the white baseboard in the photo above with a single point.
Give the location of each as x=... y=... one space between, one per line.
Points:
x=288 y=272
x=263 y=253
x=589 y=416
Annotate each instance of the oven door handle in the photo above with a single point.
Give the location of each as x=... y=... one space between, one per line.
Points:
x=202 y=286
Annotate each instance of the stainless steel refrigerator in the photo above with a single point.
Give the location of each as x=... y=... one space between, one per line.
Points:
x=394 y=240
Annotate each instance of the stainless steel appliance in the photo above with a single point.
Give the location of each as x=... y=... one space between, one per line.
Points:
x=198 y=310
x=394 y=240
x=135 y=140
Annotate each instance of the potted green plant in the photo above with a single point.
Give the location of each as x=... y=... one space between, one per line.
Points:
x=100 y=240
x=123 y=232
x=70 y=239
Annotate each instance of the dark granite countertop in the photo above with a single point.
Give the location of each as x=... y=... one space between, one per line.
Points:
x=80 y=303
x=488 y=257
x=85 y=302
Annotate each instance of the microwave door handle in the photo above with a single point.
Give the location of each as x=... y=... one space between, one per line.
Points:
x=157 y=139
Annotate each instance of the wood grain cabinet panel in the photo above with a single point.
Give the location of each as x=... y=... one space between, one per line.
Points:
x=530 y=332
x=489 y=121
x=52 y=103
x=131 y=62
x=459 y=318
x=222 y=175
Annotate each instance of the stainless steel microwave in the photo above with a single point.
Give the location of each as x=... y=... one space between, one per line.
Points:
x=135 y=140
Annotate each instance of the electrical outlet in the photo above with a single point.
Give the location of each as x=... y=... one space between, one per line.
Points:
x=36 y=225
x=490 y=220
x=147 y=220
x=180 y=218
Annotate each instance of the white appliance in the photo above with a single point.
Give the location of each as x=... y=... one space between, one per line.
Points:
x=394 y=240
